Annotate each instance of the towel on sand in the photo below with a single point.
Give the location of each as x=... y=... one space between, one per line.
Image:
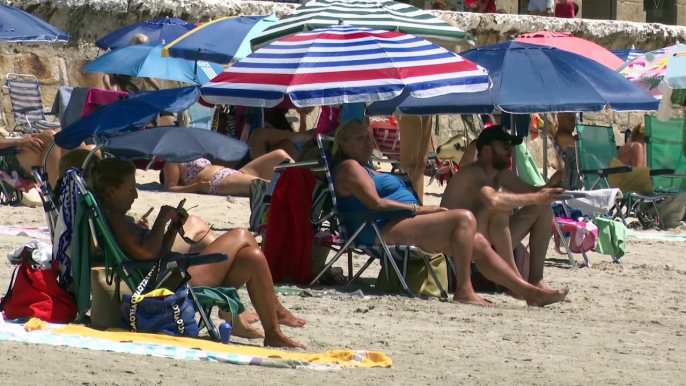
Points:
x=596 y=201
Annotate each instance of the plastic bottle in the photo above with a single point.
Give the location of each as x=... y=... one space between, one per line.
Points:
x=225 y=332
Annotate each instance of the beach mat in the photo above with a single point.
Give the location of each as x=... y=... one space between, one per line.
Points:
x=165 y=346
x=27 y=231
x=655 y=235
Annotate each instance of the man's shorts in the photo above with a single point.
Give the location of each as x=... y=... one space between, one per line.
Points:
x=541 y=5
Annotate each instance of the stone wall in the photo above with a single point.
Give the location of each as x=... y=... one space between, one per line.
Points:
x=86 y=21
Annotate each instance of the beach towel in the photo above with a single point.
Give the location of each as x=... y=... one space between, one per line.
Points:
x=596 y=201
x=288 y=239
x=96 y=97
x=526 y=166
x=611 y=237
x=62 y=242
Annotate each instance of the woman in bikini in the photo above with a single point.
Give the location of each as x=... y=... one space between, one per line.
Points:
x=201 y=176
x=632 y=153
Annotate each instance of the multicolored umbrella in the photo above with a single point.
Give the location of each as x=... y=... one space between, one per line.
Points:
x=208 y=41
x=647 y=71
x=19 y=26
x=378 y=14
x=628 y=54
x=343 y=64
x=158 y=31
x=568 y=42
x=675 y=75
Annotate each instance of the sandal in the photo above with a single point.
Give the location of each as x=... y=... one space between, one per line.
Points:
x=334 y=276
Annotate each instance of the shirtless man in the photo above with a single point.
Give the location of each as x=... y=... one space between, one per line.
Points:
x=476 y=187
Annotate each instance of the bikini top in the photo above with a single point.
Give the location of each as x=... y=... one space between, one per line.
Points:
x=193 y=168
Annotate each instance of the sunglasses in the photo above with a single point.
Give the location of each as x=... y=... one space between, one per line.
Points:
x=190 y=241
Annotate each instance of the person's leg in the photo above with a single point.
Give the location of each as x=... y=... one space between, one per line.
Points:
x=266 y=137
x=535 y=221
x=263 y=167
x=495 y=226
x=415 y=133
x=246 y=266
x=27 y=159
x=237 y=184
x=197 y=230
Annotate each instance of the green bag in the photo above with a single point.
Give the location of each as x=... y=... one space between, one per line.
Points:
x=418 y=278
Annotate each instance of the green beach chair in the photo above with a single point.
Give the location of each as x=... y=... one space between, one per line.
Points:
x=89 y=226
x=664 y=151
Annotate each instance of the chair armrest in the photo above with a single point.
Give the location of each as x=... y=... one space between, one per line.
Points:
x=9 y=151
x=661 y=172
x=178 y=261
x=25 y=109
x=608 y=171
x=312 y=165
x=379 y=214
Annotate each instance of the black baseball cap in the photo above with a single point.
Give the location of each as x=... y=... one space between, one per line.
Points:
x=496 y=133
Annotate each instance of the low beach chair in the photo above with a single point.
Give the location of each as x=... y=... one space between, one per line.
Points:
x=88 y=229
x=27 y=104
x=10 y=182
x=389 y=255
x=664 y=150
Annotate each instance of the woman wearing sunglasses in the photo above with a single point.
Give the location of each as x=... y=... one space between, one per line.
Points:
x=114 y=183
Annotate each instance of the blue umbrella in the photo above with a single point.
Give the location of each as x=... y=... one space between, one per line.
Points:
x=128 y=114
x=146 y=61
x=159 y=31
x=628 y=54
x=19 y=26
x=175 y=144
x=209 y=42
x=529 y=78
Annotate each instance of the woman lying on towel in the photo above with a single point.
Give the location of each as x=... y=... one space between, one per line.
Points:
x=114 y=183
x=434 y=229
x=201 y=176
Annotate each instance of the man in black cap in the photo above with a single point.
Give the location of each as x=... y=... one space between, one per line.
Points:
x=490 y=190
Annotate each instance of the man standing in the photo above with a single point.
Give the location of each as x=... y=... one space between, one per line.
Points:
x=477 y=187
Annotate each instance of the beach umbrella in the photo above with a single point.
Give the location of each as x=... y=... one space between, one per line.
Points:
x=628 y=54
x=378 y=14
x=648 y=71
x=128 y=114
x=159 y=31
x=146 y=61
x=175 y=144
x=568 y=42
x=18 y=26
x=531 y=78
x=208 y=42
x=675 y=75
x=343 y=64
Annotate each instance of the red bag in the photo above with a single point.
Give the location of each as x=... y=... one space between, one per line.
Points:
x=36 y=293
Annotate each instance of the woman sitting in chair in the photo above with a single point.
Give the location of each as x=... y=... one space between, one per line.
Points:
x=434 y=229
x=201 y=176
x=114 y=183
x=632 y=153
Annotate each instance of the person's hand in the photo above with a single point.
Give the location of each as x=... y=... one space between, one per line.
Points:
x=167 y=213
x=181 y=218
x=548 y=195
x=556 y=180
x=203 y=186
x=430 y=209
x=143 y=221
x=31 y=143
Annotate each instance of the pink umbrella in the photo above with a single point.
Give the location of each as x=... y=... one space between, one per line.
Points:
x=568 y=42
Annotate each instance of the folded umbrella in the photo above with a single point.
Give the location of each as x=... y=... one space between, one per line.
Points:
x=175 y=144
x=20 y=26
x=158 y=31
x=128 y=114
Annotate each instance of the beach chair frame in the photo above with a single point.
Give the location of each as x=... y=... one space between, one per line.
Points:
x=27 y=103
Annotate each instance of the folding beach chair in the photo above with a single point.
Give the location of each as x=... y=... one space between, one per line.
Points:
x=10 y=194
x=27 y=104
x=390 y=255
x=664 y=150
x=86 y=224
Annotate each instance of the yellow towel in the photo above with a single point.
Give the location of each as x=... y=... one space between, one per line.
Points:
x=637 y=180
x=344 y=358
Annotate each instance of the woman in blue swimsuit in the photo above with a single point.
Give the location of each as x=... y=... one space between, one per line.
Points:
x=451 y=232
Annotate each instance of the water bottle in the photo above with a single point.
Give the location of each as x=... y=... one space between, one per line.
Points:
x=225 y=332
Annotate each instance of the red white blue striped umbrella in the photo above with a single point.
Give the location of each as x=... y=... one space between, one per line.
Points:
x=343 y=64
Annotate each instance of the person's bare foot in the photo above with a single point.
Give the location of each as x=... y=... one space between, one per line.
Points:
x=250 y=317
x=548 y=296
x=288 y=319
x=472 y=298
x=280 y=340
x=513 y=294
x=245 y=330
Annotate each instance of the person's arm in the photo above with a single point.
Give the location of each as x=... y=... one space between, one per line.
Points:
x=637 y=157
x=505 y=201
x=27 y=143
x=152 y=82
x=108 y=84
x=129 y=235
x=482 y=6
x=353 y=179
x=172 y=176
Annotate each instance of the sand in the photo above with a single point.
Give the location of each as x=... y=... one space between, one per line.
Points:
x=623 y=325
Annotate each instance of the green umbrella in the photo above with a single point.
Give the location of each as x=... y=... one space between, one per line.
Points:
x=379 y=14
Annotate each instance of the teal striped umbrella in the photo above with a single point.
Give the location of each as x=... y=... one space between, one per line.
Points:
x=377 y=14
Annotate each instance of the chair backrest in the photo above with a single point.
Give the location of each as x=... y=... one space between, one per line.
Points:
x=25 y=96
x=386 y=136
x=595 y=148
x=201 y=116
x=325 y=158
x=664 y=150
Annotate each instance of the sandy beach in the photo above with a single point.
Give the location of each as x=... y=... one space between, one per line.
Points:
x=622 y=325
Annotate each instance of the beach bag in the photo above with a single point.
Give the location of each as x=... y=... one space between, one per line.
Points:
x=161 y=310
x=583 y=236
x=36 y=293
x=418 y=278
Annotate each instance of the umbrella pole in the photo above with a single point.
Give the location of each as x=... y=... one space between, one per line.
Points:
x=544 y=136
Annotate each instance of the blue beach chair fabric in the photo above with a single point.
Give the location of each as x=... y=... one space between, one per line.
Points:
x=27 y=104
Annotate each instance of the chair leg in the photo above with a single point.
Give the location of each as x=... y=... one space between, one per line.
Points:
x=343 y=249
x=657 y=213
x=359 y=273
x=391 y=260
x=211 y=330
x=444 y=295
x=572 y=261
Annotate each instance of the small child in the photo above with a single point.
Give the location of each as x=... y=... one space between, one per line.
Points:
x=564 y=9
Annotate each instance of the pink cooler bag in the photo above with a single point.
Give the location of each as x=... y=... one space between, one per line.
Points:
x=583 y=235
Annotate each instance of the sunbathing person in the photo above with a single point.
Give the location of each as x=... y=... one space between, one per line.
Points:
x=452 y=232
x=114 y=183
x=476 y=188
x=632 y=153
x=201 y=176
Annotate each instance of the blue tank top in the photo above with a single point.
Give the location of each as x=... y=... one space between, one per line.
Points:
x=389 y=187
